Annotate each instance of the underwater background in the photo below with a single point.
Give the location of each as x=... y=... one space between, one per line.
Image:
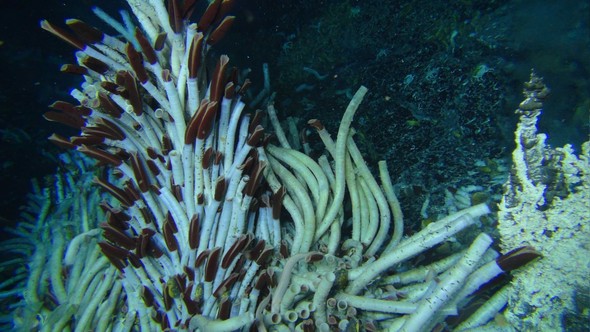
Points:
x=443 y=76
x=444 y=80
